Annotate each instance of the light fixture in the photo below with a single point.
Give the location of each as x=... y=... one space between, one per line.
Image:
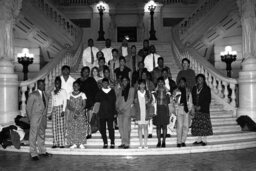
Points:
x=25 y=59
x=228 y=56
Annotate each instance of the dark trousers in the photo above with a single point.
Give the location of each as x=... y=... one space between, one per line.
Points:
x=111 y=132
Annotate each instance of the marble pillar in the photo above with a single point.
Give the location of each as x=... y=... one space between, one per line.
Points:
x=247 y=76
x=9 y=10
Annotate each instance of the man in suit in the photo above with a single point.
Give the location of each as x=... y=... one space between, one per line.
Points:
x=133 y=59
x=37 y=114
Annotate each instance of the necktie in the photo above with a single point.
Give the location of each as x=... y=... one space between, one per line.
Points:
x=133 y=63
x=154 y=62
x=43 y=97
x=92 y=57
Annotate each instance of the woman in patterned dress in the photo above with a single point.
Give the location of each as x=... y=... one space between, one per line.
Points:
x=201 y=123
x=161 y=120
x=78 y=127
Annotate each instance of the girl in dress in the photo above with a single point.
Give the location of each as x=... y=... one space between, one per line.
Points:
x=143 y=111
x=58 y=106
x=95 y=74
x=201 y=123
x=78 y=126
x=161 y=120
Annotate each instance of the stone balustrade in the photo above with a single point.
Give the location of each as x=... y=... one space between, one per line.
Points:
x=223 y=88
x=76 y=2
x=173 y=1
x=196 y=15
x=56 y=16
x=51 y=70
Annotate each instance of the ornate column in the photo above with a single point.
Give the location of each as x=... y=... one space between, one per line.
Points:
x=247 y=76
x=9 y=10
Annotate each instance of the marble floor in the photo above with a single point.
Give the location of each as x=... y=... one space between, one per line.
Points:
x=235 y=160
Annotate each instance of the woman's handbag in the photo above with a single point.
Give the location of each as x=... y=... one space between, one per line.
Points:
x=172 y=123
x=95 y=126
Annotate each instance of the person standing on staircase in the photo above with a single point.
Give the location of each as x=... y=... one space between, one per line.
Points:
x=89 y=55
x=145 y=51
x=133 y=59
x=37 y=113
x=201 y=123
x=158 y=70
x=89 y=87
x=66 y=80
x=124 y=49
x=107 y=51
x=114 y=63
x=187 y=73
x=150 y=60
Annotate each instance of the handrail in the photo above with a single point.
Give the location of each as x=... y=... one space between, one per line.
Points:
x=223 y=88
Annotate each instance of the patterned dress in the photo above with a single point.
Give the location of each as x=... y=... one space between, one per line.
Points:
x=78 y=126
x=162 y=116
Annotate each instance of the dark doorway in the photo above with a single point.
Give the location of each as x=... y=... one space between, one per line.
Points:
x=131 y=32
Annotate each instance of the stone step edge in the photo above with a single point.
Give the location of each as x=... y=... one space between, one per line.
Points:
x=249 y=143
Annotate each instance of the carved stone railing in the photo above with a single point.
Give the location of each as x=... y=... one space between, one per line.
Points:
x=223 y=88
x=70 y=56
x=56 y=16
x=203 y=8
x=76 y=2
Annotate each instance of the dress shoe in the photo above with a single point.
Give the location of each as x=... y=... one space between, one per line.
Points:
x=197 y=143
x=54 y=146
x=150 y=136
x=168 y=135
x=126 y=146
x=112 y=146
x=62 y=146
x=35 y=158
x=121 y=146
x=158 y=144
x=88 y=136
x=105 y=146
x=45 y=155
x=179 y=145
x=203 y=143
x=183 y=144
x=163 y=144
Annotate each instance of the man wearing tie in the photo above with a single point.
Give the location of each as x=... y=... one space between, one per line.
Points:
x=37 y=114
x=89 y=55
x=150 y=61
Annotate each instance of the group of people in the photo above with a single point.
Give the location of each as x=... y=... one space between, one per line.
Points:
x=124 y=86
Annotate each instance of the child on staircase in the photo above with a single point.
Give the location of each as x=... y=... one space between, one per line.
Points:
x=143 y=111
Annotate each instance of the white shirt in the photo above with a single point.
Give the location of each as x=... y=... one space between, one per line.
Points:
x=67 y=85
x=167 y=85
x=107 y=54
x=124 y=51
x=60 y=99
x=87 y=56
x=76 y=96
x=148 y=62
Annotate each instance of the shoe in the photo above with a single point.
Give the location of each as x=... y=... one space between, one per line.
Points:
x=197 y=143
x=121 y=146
x=126 y=146
x=46 y=155
x=163 y=144
x=105 y=146
x=116 y=128
x=35 y=158
x=146 y=147
x=183 y=144
x=139 y=147
x=179 y=145
x=73 y=146
x=81 y=146
x=54 y=146
x=150 y=136
x=203 y=143
x=112 y=146
x=168 y=135
x=62 y=146
x=158 y=144
x=88 y=136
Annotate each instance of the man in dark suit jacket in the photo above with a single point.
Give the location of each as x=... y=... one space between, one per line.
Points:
x=37 y=114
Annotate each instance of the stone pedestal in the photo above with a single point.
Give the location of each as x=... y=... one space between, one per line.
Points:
x=8 y=92
x=247 y=89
